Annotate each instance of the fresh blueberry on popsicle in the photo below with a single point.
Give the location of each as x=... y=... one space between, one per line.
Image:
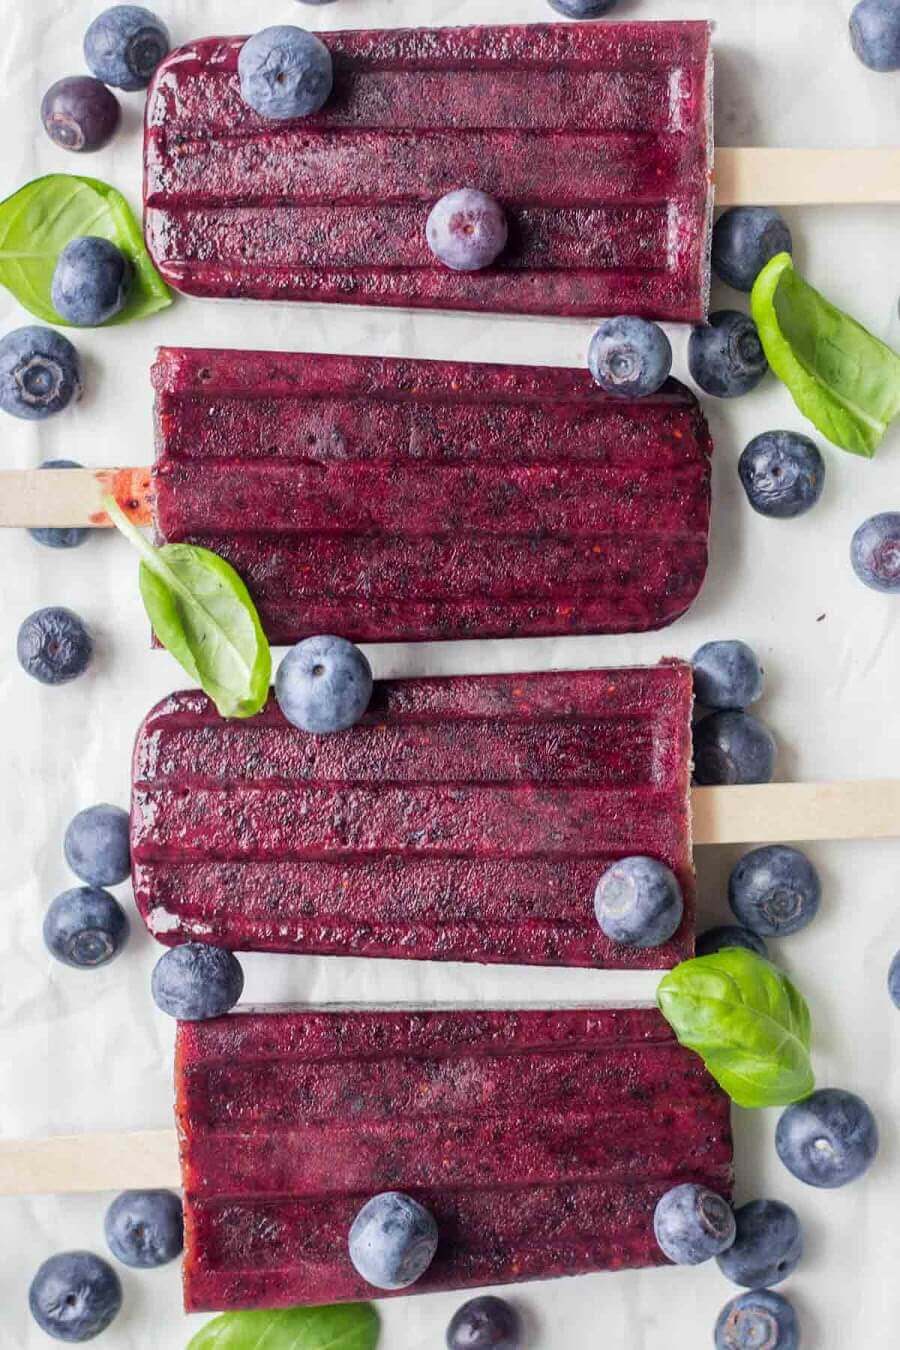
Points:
x=91 y=281
x=324 y=685
x=124 y=45
x=875 y=33
x=725 y=356
x=486 y=1323
x=782 y=473
x=638 y=902
x=466 y=230
x=767 y=1247
x=40 y=373
x=744 y=240
x=70 y=536
x=730 y=935
x=145 y=1229
x=733 y=747
x=629 y=357
x=196 y=981
x=285 y=72
x=727 y=674
x=85 y=927
x=827 y=1140
x=693 y=1224
x=393 y=1240
x=758 y=1321
x=97 y=845
x=54 y=646
x=774 y=890
x=875 y=552
x=75 y=1296
x=583 y=9
x=79 y=113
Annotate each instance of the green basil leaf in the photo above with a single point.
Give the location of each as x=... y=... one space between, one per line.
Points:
x=842 y=378
x=39 y=220
x=343 y=1326
x=202 y=613
x=748 y=1023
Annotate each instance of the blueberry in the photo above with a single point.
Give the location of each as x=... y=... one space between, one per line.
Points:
x=638 y=902
x=285 y=72
x=40 y=373
x=875 y=33
x=774 y=890
x=85 y=927
x=74 y=1296
x=894 y=980
x=91 y=281
x=629 y=357
x=692 y=1224
x=97 y=846
x=145 y=1228
x=725 y=356
x=393 y=1240
x=875 y=552
x=827 y=1140
x=744 y=240
x=54 y=646
x=782 y=473
x=485 y=1323
x=732 y=747
x=767 y=1247
x=758 y=1321
x=727 y=675
x=195 y=981
x=583 y=9
x=79 y=113
x=124 y=45
x=466 y=230
x=324 y=684
x=69 y=536
x=730 y=935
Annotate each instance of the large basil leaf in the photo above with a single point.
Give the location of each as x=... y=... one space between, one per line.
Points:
x=842 y=378
x=748 y=1023
x=39 y=220
x=202 y=613
x=343 y=1326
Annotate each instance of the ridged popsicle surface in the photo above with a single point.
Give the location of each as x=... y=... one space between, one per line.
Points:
x=392 y=500
x=464 y=819
x=596 y=139
x=540 y=1141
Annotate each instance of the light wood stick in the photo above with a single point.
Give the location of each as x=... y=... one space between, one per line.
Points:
x=759 y=177
x=72 y=1163
x=777 y=813
x=61 y=497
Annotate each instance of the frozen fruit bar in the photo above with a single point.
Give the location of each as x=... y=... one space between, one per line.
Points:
x=464 y=819
x=596 y=139
x=540 y=1142
x=391 y=500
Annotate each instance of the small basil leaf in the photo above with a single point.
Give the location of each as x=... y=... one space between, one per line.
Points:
x=840 y=376
x=748 y=1023
x=39 y=220
x=202 y=613
x=343 y=1326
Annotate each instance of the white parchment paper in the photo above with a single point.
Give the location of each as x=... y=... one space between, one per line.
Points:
x=82 y=1052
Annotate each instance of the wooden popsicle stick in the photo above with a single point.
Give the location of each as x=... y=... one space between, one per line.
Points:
x=762 y=177
x=64 y=497
x=778 y=813
x=71 y=1163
